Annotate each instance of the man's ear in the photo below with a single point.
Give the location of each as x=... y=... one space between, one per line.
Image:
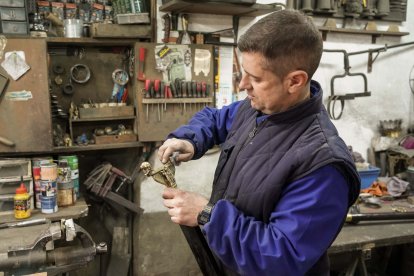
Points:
x=296 y=80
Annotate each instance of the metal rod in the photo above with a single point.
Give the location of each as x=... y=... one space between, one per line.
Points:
x=355 y=218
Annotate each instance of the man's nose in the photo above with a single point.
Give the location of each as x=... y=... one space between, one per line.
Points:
x=245 y=83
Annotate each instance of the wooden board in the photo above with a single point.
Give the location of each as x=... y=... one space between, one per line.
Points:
x=27 y=123
x=100 y=30
x=106 y=112
x=113 y=139
x=158 y=117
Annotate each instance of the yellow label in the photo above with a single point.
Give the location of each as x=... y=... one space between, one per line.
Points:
x=21 y=206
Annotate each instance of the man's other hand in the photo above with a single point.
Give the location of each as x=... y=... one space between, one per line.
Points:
x=183 y=207
x=184 y=148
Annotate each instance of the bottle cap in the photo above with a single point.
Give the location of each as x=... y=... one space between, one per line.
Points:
x=22 y=189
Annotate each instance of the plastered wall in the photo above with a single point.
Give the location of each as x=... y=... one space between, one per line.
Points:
x=160 y=248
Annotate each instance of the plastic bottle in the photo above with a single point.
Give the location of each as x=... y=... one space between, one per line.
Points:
x=22 y=203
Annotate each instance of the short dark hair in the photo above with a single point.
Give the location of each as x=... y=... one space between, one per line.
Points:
x=287 y=39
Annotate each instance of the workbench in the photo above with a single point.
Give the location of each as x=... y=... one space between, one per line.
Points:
x=358 y=240
x=367 y=235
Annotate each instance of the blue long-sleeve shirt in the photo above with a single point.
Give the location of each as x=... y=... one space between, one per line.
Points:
x=308 y=215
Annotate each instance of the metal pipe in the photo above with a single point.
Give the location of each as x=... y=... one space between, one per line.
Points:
x=355 y=218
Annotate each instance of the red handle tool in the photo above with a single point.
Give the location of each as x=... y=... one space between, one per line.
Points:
x=141 y=64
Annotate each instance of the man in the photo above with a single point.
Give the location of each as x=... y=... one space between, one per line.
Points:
x=285 y=179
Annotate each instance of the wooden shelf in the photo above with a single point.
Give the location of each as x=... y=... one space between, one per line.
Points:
x=373 y=34
x=79 y=209
x=178 y=6
x=104 y=119
x=87 y=41
x=97 y=147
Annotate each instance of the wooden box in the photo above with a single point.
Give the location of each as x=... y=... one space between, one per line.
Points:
x=106 y=112
x=111 y=139
x=101 y=30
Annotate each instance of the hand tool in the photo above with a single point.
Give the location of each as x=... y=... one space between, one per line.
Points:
x=102 y=180
x=7 y=142
x=157 y=95
x=173 y=89
x=203 y=89
x=147 y=89
x=125 y=95
x=157 y=84
x=178 y=88
x=23 y=223
x=196 y=89
x=163 y=94
x=354 y=216
x=167 y=27
x=184 y=92
x=185 y=39
x=141 y=64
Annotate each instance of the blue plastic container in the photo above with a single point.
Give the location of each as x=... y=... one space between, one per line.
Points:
x=368 y=176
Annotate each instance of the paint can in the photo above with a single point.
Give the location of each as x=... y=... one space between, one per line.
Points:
x=38 y=193
x=48 y=171
x=64 y=172
x=76 y=187
x=66 y=193
x=48 y=188
x=73 y=163
x=37 y=162
x=49 y=204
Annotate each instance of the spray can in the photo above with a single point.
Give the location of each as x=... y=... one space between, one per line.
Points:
x=21 y=203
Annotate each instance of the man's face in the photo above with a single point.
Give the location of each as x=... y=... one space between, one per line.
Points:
x=266 y=91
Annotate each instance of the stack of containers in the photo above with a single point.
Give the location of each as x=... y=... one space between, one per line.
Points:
x=48 y=187
x=66 y=192
x=12 y=173
x=72 y=161
x=36 y=163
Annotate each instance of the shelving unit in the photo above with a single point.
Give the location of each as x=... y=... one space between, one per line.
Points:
x=373 y=34
x=219 y=8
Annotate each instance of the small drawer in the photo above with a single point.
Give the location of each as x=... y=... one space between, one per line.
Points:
x=7 y=204
x=12 y=3
x=12 y=27
x=17 y=14
x=9 y=186
x=15 y=168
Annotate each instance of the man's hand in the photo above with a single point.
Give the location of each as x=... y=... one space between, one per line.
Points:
x=184 y=148
x=183 y=207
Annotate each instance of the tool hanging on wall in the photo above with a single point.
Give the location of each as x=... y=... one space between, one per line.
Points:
x=80 y=73
x=334 y=98
x=120 y=78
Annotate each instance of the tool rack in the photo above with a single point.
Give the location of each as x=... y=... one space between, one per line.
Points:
x=159 y=115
